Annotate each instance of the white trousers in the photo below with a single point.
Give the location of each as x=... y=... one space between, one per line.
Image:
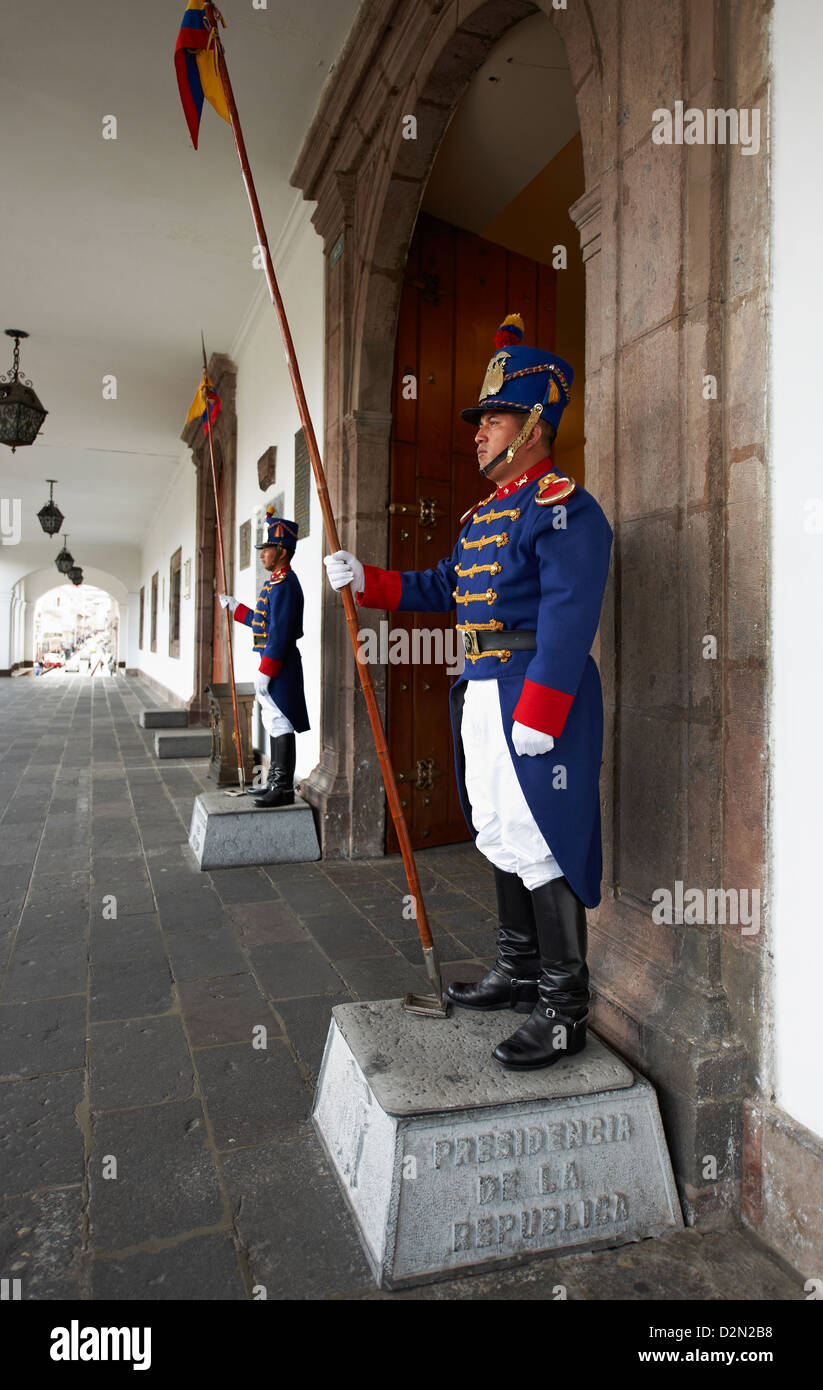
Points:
x=507 y=832
x=274 y=720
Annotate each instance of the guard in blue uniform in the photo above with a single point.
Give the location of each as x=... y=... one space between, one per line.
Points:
x=527 y=578
x=277 y=624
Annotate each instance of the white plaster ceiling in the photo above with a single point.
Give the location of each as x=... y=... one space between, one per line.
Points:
x=517 y=113
x=114 y=253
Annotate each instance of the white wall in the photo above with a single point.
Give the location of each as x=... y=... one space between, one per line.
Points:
x=174 y=526
x=267 y=414
x=796 y=464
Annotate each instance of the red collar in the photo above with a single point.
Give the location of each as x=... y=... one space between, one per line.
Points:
x=278 y=573
x=530 y=476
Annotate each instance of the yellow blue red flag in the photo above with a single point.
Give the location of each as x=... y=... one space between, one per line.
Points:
x=196 y=66
x=198 y=408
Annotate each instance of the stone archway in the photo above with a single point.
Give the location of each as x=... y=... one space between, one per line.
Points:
x=676 y=284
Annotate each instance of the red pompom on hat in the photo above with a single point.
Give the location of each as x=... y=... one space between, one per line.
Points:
x=510 y=332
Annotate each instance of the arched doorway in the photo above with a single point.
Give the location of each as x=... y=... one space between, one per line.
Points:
x=76 y=630
x=481 y=248
x=683 y=784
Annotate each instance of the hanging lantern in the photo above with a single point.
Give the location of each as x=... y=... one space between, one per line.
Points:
x=21 y=413
x=65 y=560
x=50 y=516
x=75 y=574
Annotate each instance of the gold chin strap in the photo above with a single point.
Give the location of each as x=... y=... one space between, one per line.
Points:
x=531 y=420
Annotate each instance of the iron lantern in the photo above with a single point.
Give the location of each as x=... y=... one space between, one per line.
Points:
x=21 y=412
x=50 y=516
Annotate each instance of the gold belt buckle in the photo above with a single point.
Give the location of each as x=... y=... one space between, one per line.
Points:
x=470 y=642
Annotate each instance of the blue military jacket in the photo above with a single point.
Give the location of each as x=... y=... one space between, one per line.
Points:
x=533 y=556
x=277 y=623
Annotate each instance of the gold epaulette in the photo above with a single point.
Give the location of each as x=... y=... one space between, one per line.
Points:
x=553 y=488
x=464 y=518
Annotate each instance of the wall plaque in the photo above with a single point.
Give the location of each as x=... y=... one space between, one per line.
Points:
x=245 y=545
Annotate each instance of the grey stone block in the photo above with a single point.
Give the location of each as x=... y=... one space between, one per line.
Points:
x=43 y=1145
x=166 y=1182
x=183 y=743
x=168 y=718
x=292 y=1221
x=204 y=1268
x=293 y=968
x=449 y=1162
x=47 y=1035
x=139 y=1062
x=130 y=989
x=253 y=1094
x=41 y=1238
x=223 y=1010
x=227 y=832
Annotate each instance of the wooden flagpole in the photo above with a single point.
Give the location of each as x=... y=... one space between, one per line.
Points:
x=330 y=525
x=241 y=775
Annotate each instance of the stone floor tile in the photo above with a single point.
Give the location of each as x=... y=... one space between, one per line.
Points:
x=42 y=969
x=166 y=1183
x=307 y=1023
x=41 y=1141
x=40 y=1243
x=204 y=1268
x=294 y=968
x=143 y=1061
x=223 y=1010
x=47 y=1035
x=201 y=957
x=266 y=924
x=293 y=1221
x=253 y=1094
x=131 y=989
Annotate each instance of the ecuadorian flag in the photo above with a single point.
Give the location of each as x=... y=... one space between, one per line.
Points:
x=196 y=68
x=197 y=411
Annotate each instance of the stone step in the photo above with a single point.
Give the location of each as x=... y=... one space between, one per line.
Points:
x=229 y=831
x=164 y=717
x=183 y=743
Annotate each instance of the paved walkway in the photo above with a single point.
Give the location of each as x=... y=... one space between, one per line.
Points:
x=149 y=1151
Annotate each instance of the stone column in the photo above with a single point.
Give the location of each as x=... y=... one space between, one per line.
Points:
x=5 y=631
x=129 y=634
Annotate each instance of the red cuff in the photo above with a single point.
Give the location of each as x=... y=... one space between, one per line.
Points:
x=240 y=613
x=540 y=707
x=381 y=588
x=269 y=667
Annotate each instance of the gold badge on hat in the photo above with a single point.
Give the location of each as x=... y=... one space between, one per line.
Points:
x=495 y=375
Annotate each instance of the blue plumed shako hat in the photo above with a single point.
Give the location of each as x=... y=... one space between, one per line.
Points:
x=518 y=378
x=278 y=531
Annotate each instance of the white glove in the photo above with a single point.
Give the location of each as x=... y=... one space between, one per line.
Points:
x=528 y=742
x=226 y=601
x=342 y=568
x=261 y=683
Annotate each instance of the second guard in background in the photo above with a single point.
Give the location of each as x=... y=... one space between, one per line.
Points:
x=277 y=623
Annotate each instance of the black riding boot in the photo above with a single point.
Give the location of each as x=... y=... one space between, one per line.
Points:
x=280 y=790
x=512 y=983
x=557 y=1026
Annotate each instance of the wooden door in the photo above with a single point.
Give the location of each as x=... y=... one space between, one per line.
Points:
x=219 y=650
x=458 y=288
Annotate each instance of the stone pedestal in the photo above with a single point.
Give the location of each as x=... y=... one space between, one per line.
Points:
x=182 y=743
x=228 y=831
x=168 y=718
x=450 y=1163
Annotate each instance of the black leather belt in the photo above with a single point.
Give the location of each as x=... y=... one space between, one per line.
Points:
x=487 y=643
